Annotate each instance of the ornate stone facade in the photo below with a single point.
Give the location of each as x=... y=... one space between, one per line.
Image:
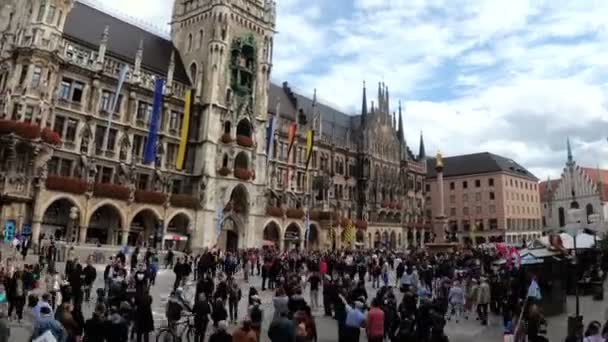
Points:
x=584 y=187
x=72 y=165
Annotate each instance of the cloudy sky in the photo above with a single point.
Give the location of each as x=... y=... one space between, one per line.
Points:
x=510 y=77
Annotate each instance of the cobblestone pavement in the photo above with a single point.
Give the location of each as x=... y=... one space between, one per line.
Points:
x=470 y=331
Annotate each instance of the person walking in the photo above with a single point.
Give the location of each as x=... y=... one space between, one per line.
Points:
x=221 y=334
x=16 y=295
x=374 y=323
x=314 y=281
x=234 y=297
x=90 y=273
x=48 y=323
x=95 y=329
x=455 y=301
x=245 y=333
x=281 y=329
x=483 y=300
x=201 y=310
x=144 y=322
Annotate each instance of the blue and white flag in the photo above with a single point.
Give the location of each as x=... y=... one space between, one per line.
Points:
x=150 y=151
x=122 y=76
x=219 y=215
x=270 y=138
x=534 y=290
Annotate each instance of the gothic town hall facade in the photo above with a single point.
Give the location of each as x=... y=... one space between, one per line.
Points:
x=71 y=149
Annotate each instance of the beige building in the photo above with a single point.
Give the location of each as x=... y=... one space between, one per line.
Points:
x=59 y=66
x=487 y=198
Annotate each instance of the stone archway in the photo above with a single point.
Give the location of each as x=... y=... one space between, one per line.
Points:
x=312 y=240
x=178 y=232
x=292 y=237
x=143 y=227
x=272 y=234
x=56 y=221
x=393 y=240
x=232 y=235
x=377 y=240
x=360 y=238
x=105 y=226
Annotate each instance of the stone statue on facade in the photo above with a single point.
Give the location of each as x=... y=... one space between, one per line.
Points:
x=202 y=187
x=123 y=174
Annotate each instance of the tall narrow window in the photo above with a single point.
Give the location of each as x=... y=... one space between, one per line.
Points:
x=193 y=73
x=201 y=36
x=50 y=16
x=189 y=42
x=36 y=76
x=41 y=10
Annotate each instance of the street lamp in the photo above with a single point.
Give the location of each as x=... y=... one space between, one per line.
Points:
x=73 y=217
x=573 y=228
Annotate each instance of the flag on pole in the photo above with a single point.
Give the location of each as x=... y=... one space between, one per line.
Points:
x=181 y=153
x=310 y=140
x=348 y=234
x=270 y=138
x=150 y=151
x=293 y=128
x=122 y=76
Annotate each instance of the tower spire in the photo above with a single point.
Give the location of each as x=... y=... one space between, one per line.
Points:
x=364 y=106
x=421 y=152
x=386 y=103
x=569 y=148
x=380 y=94
x=400 y=125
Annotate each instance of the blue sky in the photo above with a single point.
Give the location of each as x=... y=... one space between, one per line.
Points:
x=510 y=77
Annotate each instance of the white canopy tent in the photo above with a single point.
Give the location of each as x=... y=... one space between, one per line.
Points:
x=583 y=240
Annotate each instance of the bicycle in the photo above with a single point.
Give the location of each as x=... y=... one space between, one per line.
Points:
x=171 y=334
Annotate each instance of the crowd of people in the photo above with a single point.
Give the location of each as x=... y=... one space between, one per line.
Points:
x=414 y=294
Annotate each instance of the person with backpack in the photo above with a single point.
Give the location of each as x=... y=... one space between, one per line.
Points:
x=175 y=306
x=257 y=315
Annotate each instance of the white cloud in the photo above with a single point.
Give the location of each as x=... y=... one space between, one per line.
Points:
x=514 y=78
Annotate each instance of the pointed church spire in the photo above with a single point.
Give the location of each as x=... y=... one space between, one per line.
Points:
x=373 y=110
x=386 y=102
x=421 y=152
x=380 y=95
x=549 y=186
x=400 y=125
x=569 y=149
x=395 y=121
x=364 y=106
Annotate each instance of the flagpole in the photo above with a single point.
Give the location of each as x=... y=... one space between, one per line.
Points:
x=121 y=79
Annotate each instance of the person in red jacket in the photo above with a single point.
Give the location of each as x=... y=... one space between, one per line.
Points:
x=374 y=323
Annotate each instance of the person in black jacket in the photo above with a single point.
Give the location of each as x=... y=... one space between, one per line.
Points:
x=202 y=310
x=144 y=322
x=90 y=273
x=219 y=312
x=221 y=335
x=95 y=329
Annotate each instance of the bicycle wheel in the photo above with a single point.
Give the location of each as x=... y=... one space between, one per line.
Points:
x=190 y=334
x=165 y=335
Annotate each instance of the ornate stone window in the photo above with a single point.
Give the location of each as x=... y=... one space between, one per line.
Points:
x=243 y=65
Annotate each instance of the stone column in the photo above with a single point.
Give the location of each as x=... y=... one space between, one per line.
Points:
x=124 y=237
x=36 y=226
x=82 y=238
